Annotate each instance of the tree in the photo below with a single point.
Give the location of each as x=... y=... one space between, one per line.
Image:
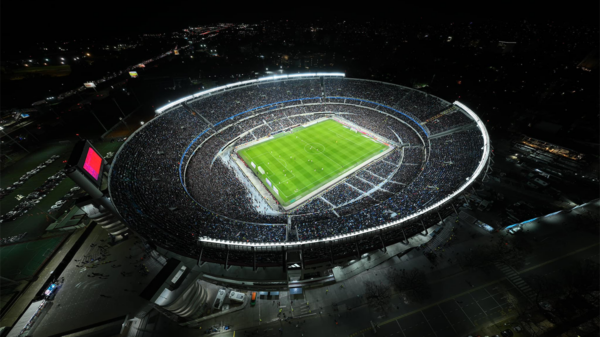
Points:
x=479 y=257
x=583 y=278
x=508 y=250
x=411 y=283
x=520 y=241
x=544 y=287
x=588 y=222
x=377 y=295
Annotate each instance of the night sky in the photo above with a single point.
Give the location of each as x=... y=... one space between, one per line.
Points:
x=26 y=22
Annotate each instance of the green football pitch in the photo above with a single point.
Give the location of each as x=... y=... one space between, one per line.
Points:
x=306 y=159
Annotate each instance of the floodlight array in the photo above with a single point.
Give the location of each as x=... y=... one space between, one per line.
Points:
x=237 y=84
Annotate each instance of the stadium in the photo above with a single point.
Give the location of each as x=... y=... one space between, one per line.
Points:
x=296 y=171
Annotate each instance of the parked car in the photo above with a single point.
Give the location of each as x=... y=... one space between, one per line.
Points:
x=507 y=333
x=76 y=188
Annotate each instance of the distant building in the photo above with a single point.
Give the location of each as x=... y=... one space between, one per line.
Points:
x=506 y=46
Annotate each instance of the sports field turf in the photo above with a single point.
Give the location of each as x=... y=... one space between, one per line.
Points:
x=306 y=159
x=22 y=260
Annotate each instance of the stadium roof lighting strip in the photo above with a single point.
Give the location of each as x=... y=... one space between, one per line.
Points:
x=480 y=167
x=262 y=79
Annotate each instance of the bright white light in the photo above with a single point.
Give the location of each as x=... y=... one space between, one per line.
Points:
x=205 y=92
x=62 y=58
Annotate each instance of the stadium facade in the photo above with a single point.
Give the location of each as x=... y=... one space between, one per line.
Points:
x=174 y=182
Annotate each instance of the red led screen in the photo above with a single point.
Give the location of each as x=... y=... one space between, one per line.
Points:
x=92 y=163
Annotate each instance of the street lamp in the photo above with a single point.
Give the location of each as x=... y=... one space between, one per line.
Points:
x=122 y=120
x=9 y=137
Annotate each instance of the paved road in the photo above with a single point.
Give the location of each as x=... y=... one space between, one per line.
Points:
x=458 y=313
x=455 y=308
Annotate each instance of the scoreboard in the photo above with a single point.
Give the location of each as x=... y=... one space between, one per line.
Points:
x=87 y=160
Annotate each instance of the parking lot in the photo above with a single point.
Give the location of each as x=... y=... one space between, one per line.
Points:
x=52 y=188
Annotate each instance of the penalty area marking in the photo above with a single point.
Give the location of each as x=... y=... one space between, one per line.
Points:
x=337 y=134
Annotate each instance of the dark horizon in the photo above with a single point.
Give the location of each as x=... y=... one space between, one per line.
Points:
x=46 y=22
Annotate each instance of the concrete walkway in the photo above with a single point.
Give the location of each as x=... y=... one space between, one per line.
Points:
x=32 y=289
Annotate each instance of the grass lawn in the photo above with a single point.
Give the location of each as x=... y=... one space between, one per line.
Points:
x=54 y=71
x=22 y=260
x=306 y=159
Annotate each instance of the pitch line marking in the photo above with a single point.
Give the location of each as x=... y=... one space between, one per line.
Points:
x=293 y=175
x=343 y=137
x=334 y=172
x=269 y=174
x=323 y=154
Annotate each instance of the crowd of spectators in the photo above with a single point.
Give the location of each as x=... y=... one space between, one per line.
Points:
x=413 y=155
x=406 y=173
x=146 y=177
x=316 y=205
x=395 y=156
x=366 y=175
x=360 y=184
x=382 y=168
x=341 y=194
x=446 y=122
x=222 y=105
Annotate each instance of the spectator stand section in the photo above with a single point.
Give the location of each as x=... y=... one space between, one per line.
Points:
x=152 y=190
